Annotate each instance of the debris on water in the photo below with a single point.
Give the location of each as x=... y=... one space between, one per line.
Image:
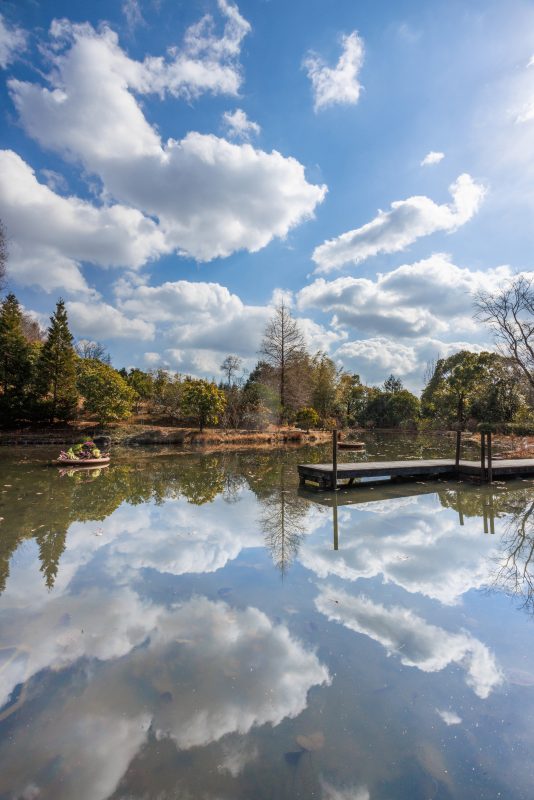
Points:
x=315 y=741
x=293 y=757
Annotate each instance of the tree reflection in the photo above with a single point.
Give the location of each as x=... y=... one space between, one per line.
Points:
x=282 y=520
x=514 y=573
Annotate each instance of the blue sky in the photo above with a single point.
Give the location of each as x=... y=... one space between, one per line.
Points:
x=172 y=169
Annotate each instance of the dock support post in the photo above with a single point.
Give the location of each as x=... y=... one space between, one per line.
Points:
x=482 y=456
x=490 y=468
x=336 y=540
x=334 y=460
x=458 y=446
x=459 y=506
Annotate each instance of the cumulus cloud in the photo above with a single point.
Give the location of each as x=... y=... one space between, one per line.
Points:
x=50 y=235
x=239 y=126
x=375 y=358
x=406 y=221
x=12 y=42
x=339 y=84
x=201 y=321
x=247 y=672
x=411 y=542
x=412 y=639
x=428 y=297
x=211 y=197
x=434 y=157
x=100 y=320
x=382 y=355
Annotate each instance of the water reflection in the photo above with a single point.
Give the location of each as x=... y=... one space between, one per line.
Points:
x=159 y=655
x=283 y=520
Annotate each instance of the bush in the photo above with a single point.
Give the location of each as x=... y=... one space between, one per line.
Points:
x=519 y=428
x=307 y=418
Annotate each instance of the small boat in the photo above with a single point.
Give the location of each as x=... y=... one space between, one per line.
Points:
x=351 y=445
x=81 y=462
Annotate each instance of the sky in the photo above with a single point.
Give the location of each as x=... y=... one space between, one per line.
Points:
x=174 y=169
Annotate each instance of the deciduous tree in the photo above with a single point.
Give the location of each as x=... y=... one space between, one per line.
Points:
x=106 y=394
x=282 y=345
x=203 y=401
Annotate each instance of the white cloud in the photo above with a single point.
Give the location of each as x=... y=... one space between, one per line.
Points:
x=339 y=84
x=211 y=197
x=12 y=42
x=377 y=357
x=433 y=157
x=199 y=322
x=412 y=542
x=101 y=321
x=449 y=717
x=428 y=297
x=330 y=792
x=407 y=221
x=133 y=14
x=416 y=642
x=239 y=126
x=50 y=235
x=118 y=698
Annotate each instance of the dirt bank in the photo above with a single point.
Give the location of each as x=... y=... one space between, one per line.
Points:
x=144 y=435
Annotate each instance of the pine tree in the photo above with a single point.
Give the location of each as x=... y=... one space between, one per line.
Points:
x=15 y=363
x=56 y=369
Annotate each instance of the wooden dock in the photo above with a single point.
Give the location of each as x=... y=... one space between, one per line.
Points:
x=328 y=477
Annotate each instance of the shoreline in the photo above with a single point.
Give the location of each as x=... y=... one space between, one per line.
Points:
x=137 y=435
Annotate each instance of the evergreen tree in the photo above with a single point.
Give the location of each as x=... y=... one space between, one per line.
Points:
x=56 y=369
x=15 y=363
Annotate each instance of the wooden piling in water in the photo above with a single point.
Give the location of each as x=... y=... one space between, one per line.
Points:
x=334 y=460
x=482 y=455
x=490 y=468
x=458 y=446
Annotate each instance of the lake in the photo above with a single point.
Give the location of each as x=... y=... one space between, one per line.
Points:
x=193 y=626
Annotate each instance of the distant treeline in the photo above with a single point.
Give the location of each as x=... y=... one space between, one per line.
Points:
x=48 y=378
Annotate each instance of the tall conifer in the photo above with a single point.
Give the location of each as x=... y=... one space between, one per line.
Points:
x=56 y=369
x=15 y=363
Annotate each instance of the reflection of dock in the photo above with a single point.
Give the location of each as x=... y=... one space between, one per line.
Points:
x=383 y=491
x=367 y=493
x=327 y=477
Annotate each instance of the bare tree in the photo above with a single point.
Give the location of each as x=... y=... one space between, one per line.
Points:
x=3 y=255
x=230 y=367
x=282 y=346
x=95 y=350
x=510 y=314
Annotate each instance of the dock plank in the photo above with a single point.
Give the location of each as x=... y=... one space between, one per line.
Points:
x=322 y=474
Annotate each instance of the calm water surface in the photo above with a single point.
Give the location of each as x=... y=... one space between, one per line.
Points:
x=181 y=626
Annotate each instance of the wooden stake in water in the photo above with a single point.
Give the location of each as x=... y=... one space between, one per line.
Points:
x=490 y=468
x=334 y=459
x=336 y=534
x=482 y=456
x=458 y=446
